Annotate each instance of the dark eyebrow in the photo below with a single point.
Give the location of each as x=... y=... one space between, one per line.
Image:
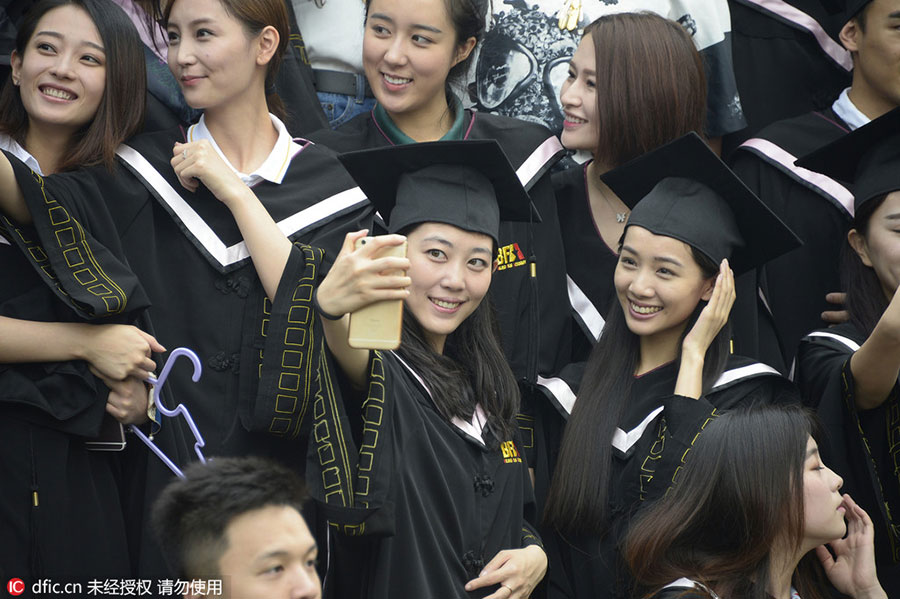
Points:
x=284 y=553
x=894 y=216
x=440 y=240
x=384 y=17
x=59 y=36
x=665 y=259
x=894 y=15
x=812 y=451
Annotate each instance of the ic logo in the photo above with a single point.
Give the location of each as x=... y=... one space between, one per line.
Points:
x=15 y=586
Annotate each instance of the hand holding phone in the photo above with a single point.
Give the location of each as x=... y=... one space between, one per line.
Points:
x=378 y=325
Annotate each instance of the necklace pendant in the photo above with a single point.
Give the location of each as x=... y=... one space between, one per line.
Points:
x=570 y=15
x=621 y=216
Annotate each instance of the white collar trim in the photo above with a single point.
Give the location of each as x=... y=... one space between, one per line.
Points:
x=849 y=113
x=273 y=167
x=12 y=146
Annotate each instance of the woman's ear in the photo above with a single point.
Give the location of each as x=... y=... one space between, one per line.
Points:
x=15 y=61
x=859 y=245
x=463 y=50
x=268 y=40
x=708 y=287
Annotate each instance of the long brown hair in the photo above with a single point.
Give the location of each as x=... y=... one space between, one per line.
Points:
x=740 y=496
x=120 y=113
x=651 y=86
x=256 y=15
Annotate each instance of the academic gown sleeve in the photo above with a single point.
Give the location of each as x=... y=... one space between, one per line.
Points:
x=857 y=444
x=85 y=264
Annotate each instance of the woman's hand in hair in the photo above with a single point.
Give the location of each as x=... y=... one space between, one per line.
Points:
x=711 y=320
x=360 y=277
x=517 y=571
x=198 y=162
x=852 y=567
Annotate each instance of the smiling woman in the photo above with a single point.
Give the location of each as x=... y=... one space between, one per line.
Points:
x=440 y=411
x=63 y=507
x=662 y=368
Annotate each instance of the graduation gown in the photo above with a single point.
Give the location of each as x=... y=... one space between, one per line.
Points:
x=116 y=238
x=653 y=439
x=788 y=298
x=590 y=262
x=860 y=445
x=787 y=61
x=67 y=511
x=528 y=289
x=417 y=506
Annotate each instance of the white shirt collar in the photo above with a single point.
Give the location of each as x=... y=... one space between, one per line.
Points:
x=12 y=146
x=848 y=112
x=273 y=167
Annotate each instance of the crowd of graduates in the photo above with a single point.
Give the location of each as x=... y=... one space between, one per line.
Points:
x=647 y=254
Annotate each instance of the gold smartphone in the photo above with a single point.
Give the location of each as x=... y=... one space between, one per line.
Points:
x=378 y=325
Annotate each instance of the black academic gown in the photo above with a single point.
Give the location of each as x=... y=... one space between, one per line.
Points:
x=66 y=511
x=101 y=229
x=417 y=506
x=590 y=262
x=793 y=286
x=860 y=445
x=782 y=69
x=530 y=299
x=655 y=433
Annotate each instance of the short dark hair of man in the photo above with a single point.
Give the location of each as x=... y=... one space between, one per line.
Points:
x=191 y=515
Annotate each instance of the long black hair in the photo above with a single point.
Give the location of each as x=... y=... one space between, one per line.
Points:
x=579 y=492
x=865 y=295
x=740 y=496
x=471 y=370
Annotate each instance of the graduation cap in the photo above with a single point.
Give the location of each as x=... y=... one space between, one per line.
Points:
x=868 y=158
x=683 y=190
x=467 y=184
x=853 y=7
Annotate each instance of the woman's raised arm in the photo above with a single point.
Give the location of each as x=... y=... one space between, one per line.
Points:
x=12 y=202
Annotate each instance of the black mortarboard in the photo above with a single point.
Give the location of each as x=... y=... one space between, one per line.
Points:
x=868 y=158
x=852 y=8
x=683 y=190
x=468 y=184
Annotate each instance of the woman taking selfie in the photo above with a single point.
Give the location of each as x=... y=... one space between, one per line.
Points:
x=662 y=367
x=421 y=471
x=414 y=54
x=756 y=515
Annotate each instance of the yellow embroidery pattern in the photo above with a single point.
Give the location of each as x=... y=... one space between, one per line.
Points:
x=79 y=257
x=295 y=366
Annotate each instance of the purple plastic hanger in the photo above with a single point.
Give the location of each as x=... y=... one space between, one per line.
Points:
x=158 y=383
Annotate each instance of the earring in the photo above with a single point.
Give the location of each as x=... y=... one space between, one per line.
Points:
x=16 y=81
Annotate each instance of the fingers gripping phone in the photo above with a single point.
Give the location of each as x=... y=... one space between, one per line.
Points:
x=378 y=325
